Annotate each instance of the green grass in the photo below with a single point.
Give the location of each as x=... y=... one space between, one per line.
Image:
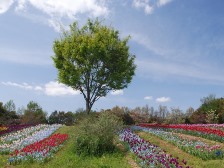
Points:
x=192 y=161
x=66 y=157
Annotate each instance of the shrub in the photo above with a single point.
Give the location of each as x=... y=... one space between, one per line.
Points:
x=96 y=135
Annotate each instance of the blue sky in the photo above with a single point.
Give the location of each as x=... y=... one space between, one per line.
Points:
x=179 y=47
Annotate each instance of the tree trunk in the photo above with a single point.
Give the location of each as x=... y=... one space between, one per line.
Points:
x=88 y=107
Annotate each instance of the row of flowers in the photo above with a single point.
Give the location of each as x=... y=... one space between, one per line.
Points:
x=215 y=134
x=40 y=150
x=20 y=134
x=148 y=154
x=3 y=128
x=22 y=138
x=189 y=145
x=12 y=128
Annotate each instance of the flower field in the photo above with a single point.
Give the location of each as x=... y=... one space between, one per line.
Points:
x=213 y=132
x=197 y=144
x=149 y=147
x=31 y=143
x=193 y=146
x=149 y=154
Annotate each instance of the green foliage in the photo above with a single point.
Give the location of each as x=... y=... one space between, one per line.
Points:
x=61 y=118
x=34 y=114
x=209 y=104
x=8 y=117
x=96 y=135
x=10 y=106
x=94 y=60
x=80 y=114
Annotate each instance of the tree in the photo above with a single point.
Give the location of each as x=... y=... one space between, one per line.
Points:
x=176 y=116
x=3 y=114
x=208 y=99
x=34 y=114
x=10 y=106
x=8 y=115
x=188 y=115
x=123 y=113
x=212 y=117
x=209 y=106
x=94 y=60
x=61 y=118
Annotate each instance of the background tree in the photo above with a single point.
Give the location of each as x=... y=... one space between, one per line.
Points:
x=211 y=117
x=3 y=114
x=53 y=118
x=210 y=111
x=94 y=60
x=8 y=115
x=206 y=100
x=188 y=115
x=176 y=116
x=123 y=113
x=61 y=118
x=34 y=114
x=10 y=106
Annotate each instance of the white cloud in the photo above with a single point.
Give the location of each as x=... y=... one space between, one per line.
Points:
x=66 y=8
x=148 y=97
x=23 y=85
x=163 y=99
x=149 y=5
x=163 y=2
x=58 y=89
x=149 y=9
x=58 y=10
x=143 y=4
x=5 y=5
x=21 y=5
x=117 y=92
x=56 y=24
x=55 y=11
x=51 y=88
x=38 y=88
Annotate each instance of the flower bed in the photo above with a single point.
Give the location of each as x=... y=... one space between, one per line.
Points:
x=13 y=128
x=22 y=138
x=150 y=155
x=40 y=150
x=212 y=133
x=194 y=147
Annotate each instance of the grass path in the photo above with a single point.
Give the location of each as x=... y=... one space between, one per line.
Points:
x=176 y=152
x=66 y=157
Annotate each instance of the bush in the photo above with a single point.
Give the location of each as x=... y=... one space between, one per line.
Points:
x=96 y=135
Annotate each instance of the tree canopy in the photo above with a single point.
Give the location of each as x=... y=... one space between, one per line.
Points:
x=94 y=60
x=210 y=111
x=34 y=114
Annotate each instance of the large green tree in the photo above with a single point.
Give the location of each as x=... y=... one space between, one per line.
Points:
x=94 y=60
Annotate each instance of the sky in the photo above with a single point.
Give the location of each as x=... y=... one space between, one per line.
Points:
x=178 y=44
